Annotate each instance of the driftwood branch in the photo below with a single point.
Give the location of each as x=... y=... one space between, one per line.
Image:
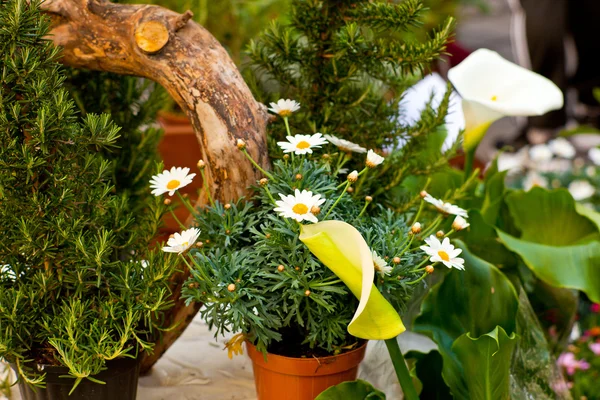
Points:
x=169 y=48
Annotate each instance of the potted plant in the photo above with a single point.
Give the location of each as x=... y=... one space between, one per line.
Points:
x=81 y=289
x=288 y=285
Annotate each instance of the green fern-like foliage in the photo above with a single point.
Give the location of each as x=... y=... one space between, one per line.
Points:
x=78 y=283
x=348 y=63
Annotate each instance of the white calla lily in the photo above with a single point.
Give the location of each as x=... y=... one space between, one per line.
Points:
x=492 y=88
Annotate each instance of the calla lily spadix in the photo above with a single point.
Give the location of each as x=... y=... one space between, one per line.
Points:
x=344 y=251
x=492 y=87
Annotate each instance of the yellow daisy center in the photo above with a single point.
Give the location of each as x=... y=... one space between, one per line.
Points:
x=185 y=243
x=300 y=208
x=494 y=98
x=173 y=184
x=303 y=145
x=285 y=113
x=443 y=255
x=377 y=267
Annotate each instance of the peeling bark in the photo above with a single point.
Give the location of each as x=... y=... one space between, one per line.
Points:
x=162 y=45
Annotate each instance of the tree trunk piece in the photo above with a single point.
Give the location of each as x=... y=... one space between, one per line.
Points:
x=167 y=47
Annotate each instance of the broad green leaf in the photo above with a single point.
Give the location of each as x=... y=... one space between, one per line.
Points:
x=494 y=197
x=344 y=251
x=355 y=390
x=548 y=217
x=428 y=370
x=486 y=363
x=574 y=267
x=473 y=301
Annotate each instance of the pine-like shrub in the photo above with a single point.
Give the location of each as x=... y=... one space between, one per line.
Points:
x=79 y=285
x=348 y=63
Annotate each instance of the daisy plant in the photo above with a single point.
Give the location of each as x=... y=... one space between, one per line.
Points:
x=306 y=266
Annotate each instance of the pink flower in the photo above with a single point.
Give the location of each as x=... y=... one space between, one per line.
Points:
x=570 y=364
x=595 y=308
x=595 y=347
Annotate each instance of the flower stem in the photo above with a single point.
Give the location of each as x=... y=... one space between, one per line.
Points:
x=469 y=157
x=418 y=280
x=363 y=209
x=270 y=195
x=337 y=201
x=410 y=393
x=287 y=126
x=258 y=167
x=205 y=184
x=182 y=226
x=187 y=204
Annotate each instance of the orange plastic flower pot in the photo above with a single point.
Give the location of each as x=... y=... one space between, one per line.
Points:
x=290 y=378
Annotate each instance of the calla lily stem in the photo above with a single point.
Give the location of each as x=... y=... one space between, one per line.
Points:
x=469 y=157
x=410 y=393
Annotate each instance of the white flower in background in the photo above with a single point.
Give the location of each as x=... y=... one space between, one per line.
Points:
x=533 y=179
x=590 y=171
x=298 y=206
x=345 y=145
x=373 y=159
x=445 y=208
x=284 y=108
x=443 y=252
x=540 y=153
x=171 y=180
x=302 y=144
x=581 y=190
x=7 y=273
x=561 y=147
x=380 y=265
x=594 y=155
x=492 y=88
x=180 y=242
x=460 y=223
x=512 y=162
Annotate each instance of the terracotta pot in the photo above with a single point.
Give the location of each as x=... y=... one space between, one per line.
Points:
x=179 y=148
x=291 y=378
x=121 y=380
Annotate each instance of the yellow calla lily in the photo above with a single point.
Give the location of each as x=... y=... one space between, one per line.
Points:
x=344 y=251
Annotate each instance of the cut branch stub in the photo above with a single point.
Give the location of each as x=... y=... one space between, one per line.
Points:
x=182 y=56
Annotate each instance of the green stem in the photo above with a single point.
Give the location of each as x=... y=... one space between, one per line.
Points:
x=206 y=189
x=287 y=126
x=270 y=195
x=182 y=226
x=187 y=203
x=337 y=201
x=469 y=157
x=410 y=393
x=258 y=167
x=363 y=209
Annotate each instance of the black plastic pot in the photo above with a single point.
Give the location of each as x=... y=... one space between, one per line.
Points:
x=121 y=380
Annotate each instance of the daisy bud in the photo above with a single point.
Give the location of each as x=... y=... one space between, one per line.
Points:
x=350 y=189
x=268 y=236
x=307 y=293
x=231 y=287
x=396 y=260
x=439 y=234
x=297 y=268
x=298 y=177
x=459 y=223
x=353 y=176
x=199 y=244
x=429 y=269
x=286 y=156
x=185 y=195
x=227 y=231
x=280 y=268
x=325 y=156
x=423 y=194
x=201 y=164
x=373 y=159
x=167 y=202
x=227 y=206
x=263 y=182
x=315 y=210
x=416 y=228
x=368 y=199
x=193 y=285
x=207 y=241
x=171 y=236
x=241 y=144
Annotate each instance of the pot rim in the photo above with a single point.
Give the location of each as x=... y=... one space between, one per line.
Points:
x=316 y=366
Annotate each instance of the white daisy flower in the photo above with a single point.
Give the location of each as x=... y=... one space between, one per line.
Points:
x=6 y=272
x=594 y=155
x=373 y=159
x=302 y=144
x=445 y=208
x=345 y=145
x=533 y=179
x=460 y=223
x=581 y=190
x=298 y=206
x=180 y=242
x=443 y=252
x=561 y=147
x=540 y=153
x=170 y=181
x=380 y=265
x=284 y=108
